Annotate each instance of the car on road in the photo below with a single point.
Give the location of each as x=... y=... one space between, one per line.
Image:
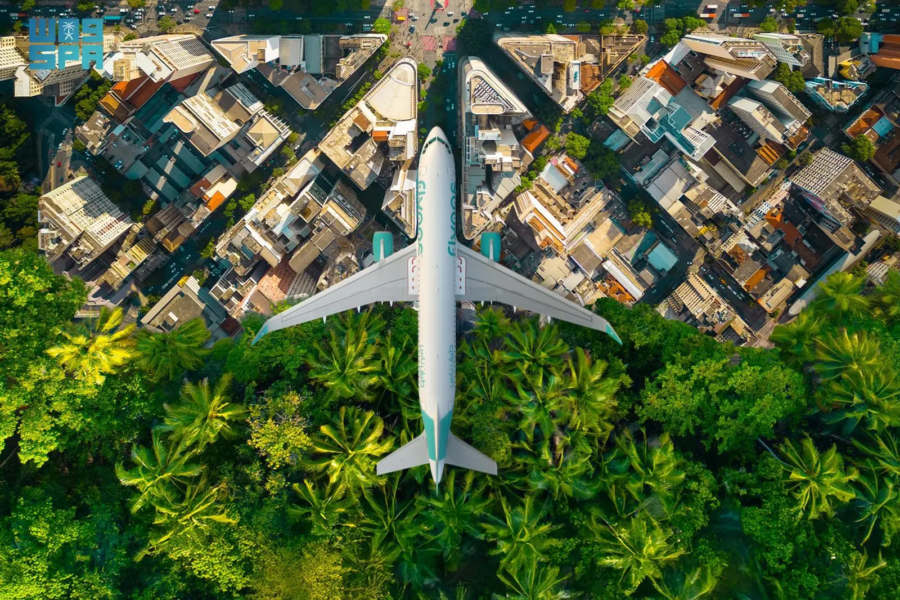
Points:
x=58 y=164
x=412 y=28
x=209 y=15
x=408 y=44
x=196 y=11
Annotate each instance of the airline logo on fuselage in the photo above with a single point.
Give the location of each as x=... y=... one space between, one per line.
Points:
x=451 y=243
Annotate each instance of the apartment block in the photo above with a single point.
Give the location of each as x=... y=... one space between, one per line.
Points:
x=833 y=184
x=159 y=58
x=786 y=48
x=78 y=220
x=186 y=301
x=492 y=130
x=10 y=58
x=879 y=123
x=767 y=125
x=381 y=128
x=650 y=108
x=233 y=122
x=308 y=67
x=559 y=205
x=400 y=199
x=567 y=67
x=776 y=97
x=746 y=58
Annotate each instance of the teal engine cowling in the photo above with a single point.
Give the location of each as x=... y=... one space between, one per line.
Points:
x=490 y=245
x=382 y=245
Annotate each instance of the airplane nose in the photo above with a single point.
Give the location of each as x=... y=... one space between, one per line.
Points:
x=438 y=132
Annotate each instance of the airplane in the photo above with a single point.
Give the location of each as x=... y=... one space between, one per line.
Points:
x=437 y=272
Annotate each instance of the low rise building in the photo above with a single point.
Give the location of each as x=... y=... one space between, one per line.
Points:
x=834 y=185
x=491 y=127
x=833 y=95
x=743 y=57
x=380 y=128
x=78 y=221
x=768 y=125
x=567 y=67
x=308 y=67
x=186 y=301
x=787 y=48
x=880 y=123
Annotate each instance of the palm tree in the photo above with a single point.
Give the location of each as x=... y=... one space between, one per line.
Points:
x=650 y=472
x=568 y=475
x=203 y=414
x=846 y=355
x=322 y=508
x=872 y=397
x=815 y=479
x=96 y=348
x=523 y=535
x=541 y=405
x=593 y=396
x=884 y=450
x=886 y=298
x=346 y=366
x=351 y=323
x=396 y=368
x=453 y=512
x=167 y=355
x=639 y=548
x=796 y=341
x=157 y=469
x=840 y=294
x=534 y=349
x=369 y=567
x=388 y=518
x=687 y=585
x=859 y=577
x=876 y=498
x=348 y=447
x=187 y=516
x=533 y=581
x=491 y=325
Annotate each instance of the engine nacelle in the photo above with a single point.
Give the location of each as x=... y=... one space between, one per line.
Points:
x=490 y=245
x=382 y=245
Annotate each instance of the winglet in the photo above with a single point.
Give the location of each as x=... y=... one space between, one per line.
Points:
x=262 y=332
x=612 y=333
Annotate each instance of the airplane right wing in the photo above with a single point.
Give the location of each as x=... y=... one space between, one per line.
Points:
x=385 y=281
x=488 y=281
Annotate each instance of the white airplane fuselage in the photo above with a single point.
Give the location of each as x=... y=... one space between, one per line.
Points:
x=437 y=264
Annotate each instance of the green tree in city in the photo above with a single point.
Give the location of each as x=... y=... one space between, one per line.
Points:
x=97 y=347
x=577 y=145
x=382 y=26
x=640 y=26
x=166 y=355
x=860 y=149
x=204 y=413
x=768 y=25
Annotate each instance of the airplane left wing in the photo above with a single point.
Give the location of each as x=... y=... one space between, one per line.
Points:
x=385 y=281
x=488 y=281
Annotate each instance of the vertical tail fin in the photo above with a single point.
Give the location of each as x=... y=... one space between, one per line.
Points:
x=460 y=454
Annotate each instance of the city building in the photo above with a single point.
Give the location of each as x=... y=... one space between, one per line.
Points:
x=648 y=107
x=746 y=58
x=186 y=301
x=697 y=303
x=734 y=159
x=232 y=122
x=833 y=185
x=308 y=67
x=562 y=201
x=776 y=97
x=160 y=58
x=78 y=221
x=767 y=125
x=279 y=220
x=786 y=48
x=380 y=128
x=880 y=123
x=833 y=95
x=882 y=49
x=10 y=58
x=400 y=199
x=491 y=129
x=567 y=67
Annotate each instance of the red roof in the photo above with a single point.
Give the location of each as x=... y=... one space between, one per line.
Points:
x=534 y=139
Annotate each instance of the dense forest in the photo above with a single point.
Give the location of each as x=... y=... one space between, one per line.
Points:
x=146 y=465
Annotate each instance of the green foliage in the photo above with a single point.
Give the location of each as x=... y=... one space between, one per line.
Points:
x=624 y=82
x=640 y=26
x=768 y=25
x=551 y=28
x=848 y=29
x=577 y=145
x=382 y=26
x=805 y=159
x=424 y=71
x=792 y=80
x=583 y=27
x=640 y=213
x=569 y=5
x=165 y=24
x=88 y=95
x=781 y=164
x=860 y=149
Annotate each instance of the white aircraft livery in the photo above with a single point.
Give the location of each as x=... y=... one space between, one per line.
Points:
x=437 y=273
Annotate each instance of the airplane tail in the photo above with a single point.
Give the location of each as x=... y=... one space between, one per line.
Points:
x=460 y=454
x=415 y=454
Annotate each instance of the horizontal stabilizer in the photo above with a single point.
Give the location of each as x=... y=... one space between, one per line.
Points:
x=412 y=454
x=460 y=454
